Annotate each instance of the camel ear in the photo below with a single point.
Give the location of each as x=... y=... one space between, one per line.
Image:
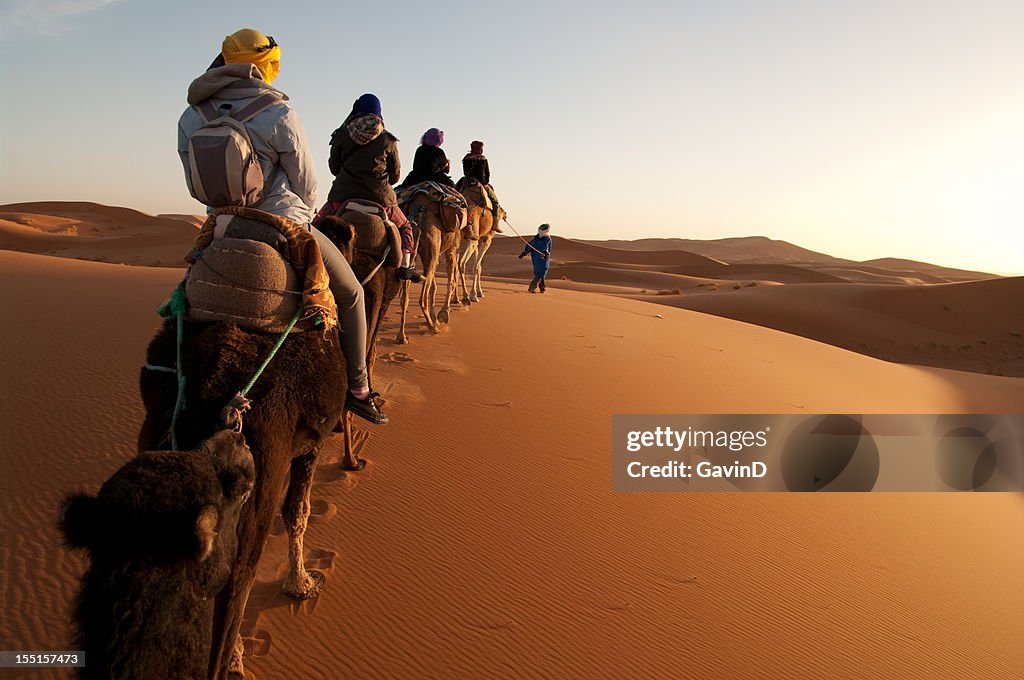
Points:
x=78 y=520
x=206 y=531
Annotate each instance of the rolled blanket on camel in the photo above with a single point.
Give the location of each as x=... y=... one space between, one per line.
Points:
x=453 y=204
x=257 y=270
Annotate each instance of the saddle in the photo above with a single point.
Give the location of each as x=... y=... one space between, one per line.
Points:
x=470 y=186
x=451 y=204
x=376 y=235
x=246 y=270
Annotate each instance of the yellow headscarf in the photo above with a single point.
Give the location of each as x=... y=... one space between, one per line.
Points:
x=252 y=47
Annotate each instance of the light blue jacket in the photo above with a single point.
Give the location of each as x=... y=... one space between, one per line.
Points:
x=277 y=135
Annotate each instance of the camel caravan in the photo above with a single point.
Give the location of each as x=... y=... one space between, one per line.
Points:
x=266 y=350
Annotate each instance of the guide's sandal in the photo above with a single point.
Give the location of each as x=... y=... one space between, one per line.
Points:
x=367 y=409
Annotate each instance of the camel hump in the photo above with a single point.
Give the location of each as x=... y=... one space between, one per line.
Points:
x=236 y=226
x=475 y=192
x=245 y=281
x=375 y=234
x=450 y=216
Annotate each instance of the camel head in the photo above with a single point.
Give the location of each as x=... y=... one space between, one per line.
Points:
x=166 y=506
x=341 y=232
x=161 y=537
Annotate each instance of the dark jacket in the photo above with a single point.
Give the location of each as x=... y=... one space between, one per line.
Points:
x=429 y=165
x=476 y=166
x=364 y=170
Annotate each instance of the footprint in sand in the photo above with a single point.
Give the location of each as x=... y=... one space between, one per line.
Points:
x=397 y=358
x=321 y=559
x=321 y=510
x=259 y=644
x=332 y=472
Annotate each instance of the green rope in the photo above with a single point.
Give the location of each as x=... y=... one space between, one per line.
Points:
x=176 y=305
x=277 y=346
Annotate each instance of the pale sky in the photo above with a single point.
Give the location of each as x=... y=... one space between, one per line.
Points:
x=860 y=129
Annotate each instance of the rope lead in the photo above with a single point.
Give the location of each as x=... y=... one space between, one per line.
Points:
x=176 y=306
x=231 y=415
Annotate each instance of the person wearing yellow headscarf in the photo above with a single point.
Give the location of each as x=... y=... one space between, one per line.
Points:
x=249 y=46
x=248 y=63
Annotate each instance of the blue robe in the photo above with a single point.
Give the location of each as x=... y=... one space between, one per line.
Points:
x=540 y=264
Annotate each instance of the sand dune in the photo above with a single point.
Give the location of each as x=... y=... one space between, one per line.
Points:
x=566 y=249
x=89 y=231
x=971 y=326
x=781 y=273
x=913 y=266
x=624 y=276
x=734 y=249
x=195 y=220
x=864 y=274
x=483 y=539
x=762 y=250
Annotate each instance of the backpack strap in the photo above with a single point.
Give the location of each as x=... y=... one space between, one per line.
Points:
x=249 y=111
x=207 y=110
x=210 y=112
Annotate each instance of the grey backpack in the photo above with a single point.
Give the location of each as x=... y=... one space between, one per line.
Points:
x=223 y=166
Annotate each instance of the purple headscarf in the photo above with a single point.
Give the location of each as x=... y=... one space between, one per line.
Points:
x=432 y=137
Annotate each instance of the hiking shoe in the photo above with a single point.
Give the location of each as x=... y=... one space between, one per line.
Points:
x=409 y=274
x=367 y=409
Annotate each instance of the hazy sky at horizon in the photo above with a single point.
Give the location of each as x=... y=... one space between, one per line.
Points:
x=860 y=129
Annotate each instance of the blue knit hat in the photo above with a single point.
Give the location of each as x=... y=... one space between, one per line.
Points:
x=368 y=103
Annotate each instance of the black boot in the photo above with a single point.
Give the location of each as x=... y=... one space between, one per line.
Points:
x=409 y=274
x=367 y=409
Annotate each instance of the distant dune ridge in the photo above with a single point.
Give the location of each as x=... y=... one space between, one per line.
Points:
x=90 y=231
x=894 y=309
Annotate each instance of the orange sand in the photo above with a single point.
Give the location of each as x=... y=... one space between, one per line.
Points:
x=483 y=539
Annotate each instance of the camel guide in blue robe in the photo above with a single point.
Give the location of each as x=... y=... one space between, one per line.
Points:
x=539 y=249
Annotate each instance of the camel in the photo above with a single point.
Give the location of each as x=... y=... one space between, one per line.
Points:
x=161 y=541
x=484 y=226
x=294 y=406
x=376 y=252
x=434 y=241
x=374 y=265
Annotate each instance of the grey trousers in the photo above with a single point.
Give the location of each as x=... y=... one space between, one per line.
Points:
x=348 y=294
